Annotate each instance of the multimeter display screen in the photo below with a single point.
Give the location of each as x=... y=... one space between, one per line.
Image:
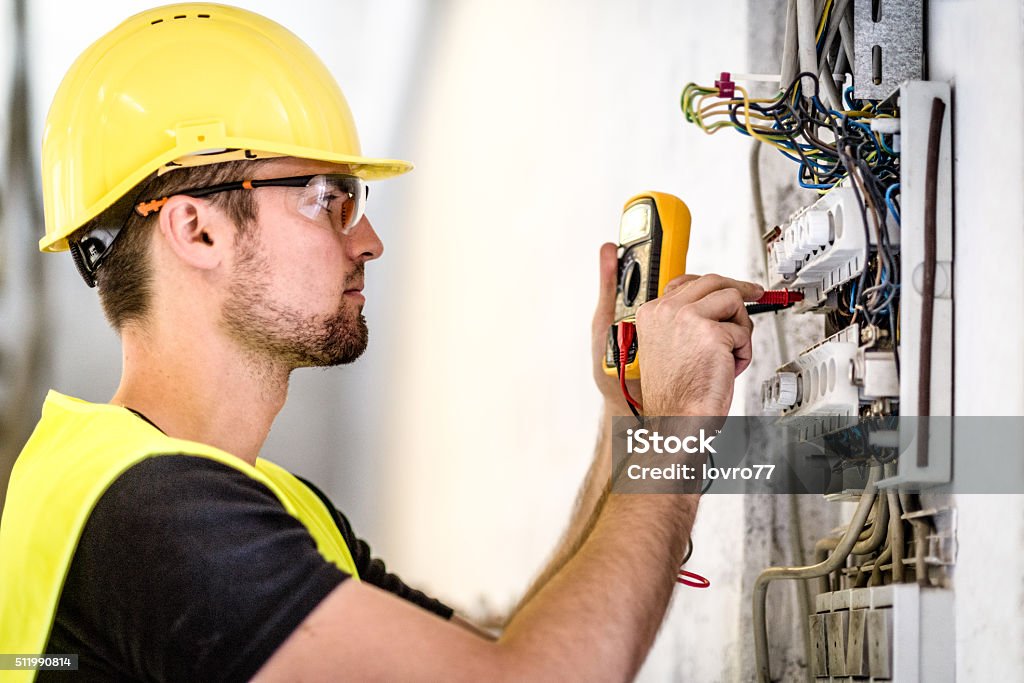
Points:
x=636 y=223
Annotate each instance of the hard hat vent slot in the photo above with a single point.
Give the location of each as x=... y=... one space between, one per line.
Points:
x=179 y=16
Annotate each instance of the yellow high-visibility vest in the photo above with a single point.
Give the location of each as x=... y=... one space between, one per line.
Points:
x=76 y=452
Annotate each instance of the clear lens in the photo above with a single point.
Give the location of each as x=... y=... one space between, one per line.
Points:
x=340 y=198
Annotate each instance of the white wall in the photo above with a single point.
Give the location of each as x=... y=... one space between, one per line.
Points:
x=979 y=48
x=536 y=121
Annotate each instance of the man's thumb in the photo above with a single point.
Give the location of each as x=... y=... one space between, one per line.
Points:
x=609 y=265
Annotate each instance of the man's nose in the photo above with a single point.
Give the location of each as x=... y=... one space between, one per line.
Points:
x=363 y=242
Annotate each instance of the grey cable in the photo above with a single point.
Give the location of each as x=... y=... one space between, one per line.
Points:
x=846 y=31
x=825 y=76
x=806 y=18
x=828 y=544
x=841 y=63
x=804 y=587
x=896 y=535
x=789 y=66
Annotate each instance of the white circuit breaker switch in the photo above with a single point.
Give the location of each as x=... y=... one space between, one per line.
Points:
x=856 y=647
x=782 y=265
x=896 y=632
x=800 y=249
x=879 y=641
x=819 y=229
x=832 y=243
x=822 y=378
x=819 y=647
x=837 y=628
x=779 y=392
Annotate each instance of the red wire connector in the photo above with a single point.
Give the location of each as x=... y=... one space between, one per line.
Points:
x=725 y=85
x=780 y=297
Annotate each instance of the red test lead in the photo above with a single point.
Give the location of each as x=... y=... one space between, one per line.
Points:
x=780 y=297
x=774 y=300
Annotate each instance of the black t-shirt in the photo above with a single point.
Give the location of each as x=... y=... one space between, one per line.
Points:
x=189 y=570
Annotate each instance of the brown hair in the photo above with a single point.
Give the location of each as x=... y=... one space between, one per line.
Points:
x=124 y=279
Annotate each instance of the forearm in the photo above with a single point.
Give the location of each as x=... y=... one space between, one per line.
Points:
x=591 y=497
x=614 y=591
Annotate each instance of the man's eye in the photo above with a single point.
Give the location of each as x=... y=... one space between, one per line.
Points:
x=328 y=202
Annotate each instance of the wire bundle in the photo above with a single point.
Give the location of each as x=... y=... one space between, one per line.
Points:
x=801 y=127
x=830 y=146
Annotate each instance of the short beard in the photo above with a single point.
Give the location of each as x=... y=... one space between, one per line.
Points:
x=267 y=329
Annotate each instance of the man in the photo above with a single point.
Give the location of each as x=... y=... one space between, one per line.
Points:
x=216 y=198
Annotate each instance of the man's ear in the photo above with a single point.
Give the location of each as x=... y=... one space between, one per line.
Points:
x=196 y=233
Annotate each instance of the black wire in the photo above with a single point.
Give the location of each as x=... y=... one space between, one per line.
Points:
x=892 y=333
x=867 y=234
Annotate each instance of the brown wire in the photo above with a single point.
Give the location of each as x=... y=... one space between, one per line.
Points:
x=924 y=371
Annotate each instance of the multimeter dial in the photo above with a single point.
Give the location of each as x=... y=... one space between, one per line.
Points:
x=631 y=280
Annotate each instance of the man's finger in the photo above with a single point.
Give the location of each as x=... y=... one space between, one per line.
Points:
x=740 y=338
x=724 y=305
x=704 y=285
x=608 y=268
x=742 y=346
x=677 y=281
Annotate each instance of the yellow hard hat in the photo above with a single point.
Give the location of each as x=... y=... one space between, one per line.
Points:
x=176 y=85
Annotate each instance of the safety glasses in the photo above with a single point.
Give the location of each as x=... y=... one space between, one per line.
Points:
x=333 y=198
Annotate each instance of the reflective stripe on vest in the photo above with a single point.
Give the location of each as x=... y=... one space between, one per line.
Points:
x=76 y=452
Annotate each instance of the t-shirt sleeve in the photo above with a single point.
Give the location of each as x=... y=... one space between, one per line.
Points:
x=372 y=570
x=189 y=570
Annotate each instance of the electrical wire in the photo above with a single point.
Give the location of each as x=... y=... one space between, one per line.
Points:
x=625 y=335
x=797 y=124
x=890 y=205
x=924 y=372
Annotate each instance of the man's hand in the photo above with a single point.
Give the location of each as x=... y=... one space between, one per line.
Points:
x=694 y=340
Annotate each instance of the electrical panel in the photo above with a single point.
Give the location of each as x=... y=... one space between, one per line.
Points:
x=870 y=258
x=870 y=366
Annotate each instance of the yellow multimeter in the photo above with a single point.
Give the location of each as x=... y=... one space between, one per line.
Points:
x=654 y=235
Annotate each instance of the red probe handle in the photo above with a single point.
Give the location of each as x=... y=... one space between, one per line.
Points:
x=780 y=297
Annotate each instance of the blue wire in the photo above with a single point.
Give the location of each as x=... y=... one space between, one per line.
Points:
x=889 y=203
x=849 y=100
x=853 y=296
x=819 y=106
x=808 y=186
x=886 y=147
